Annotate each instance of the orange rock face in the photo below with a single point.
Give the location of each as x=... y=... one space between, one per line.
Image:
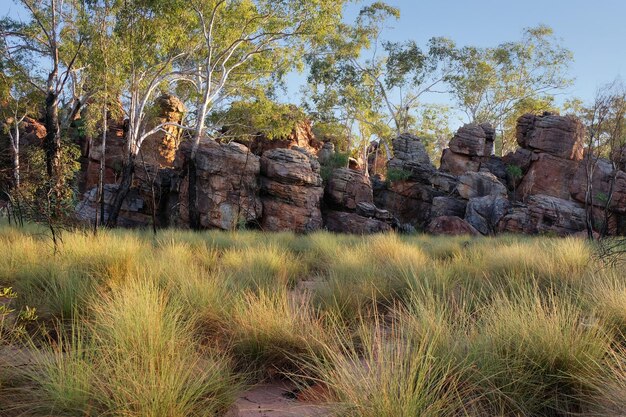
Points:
x=160 y=148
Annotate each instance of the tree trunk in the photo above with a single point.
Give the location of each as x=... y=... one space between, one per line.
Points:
x=192 y=174
x=100 y=199
x=16 y=154
x=128 y=173
x=53 y=137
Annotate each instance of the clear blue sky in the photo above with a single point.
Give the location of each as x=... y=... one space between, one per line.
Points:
x=595 y=30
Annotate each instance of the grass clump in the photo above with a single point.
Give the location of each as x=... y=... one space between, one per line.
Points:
x=538 y=357
x=273 y=332
x=133 y=324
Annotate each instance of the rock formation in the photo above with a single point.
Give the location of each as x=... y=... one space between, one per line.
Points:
x=408 y=192
x=451 y=226
x=227 y=191
x=539 y=188
x=350 y=204
x=291 y=191
x=301 y=136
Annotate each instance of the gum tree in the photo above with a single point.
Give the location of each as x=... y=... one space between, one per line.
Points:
x=374 y=87
x=492 y=84
x=239 y=49
x=45 y=47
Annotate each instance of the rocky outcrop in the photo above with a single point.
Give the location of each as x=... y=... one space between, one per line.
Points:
x=410 y=202
x=326 y=153
x=608 y=185
x=32 y=134
x=469 y=149
x=548 y=175
x=346 y=222
x=556 y=135
x=471 y=140
x=301 y=136
x=450 y=226
x=133 y=213
x=350 y=204
x=346 y=188
x=484 y=213
x=544 y=214
x=539 y=188
x=113 y=156
x=410 y=160
x=445 y=206
x=227 y=185
x=291 y=191
x=408 y=192
x=480 y=184
x=159 y=149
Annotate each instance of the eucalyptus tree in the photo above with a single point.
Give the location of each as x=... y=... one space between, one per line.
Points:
x=374 y=87
x=47 y=46
x=18 y=100
x=151 y=42
x=105 y=81
x=490 y=84
x=241 y=47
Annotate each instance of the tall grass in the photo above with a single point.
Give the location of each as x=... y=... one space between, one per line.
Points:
x=134 y=324
x=388 y=372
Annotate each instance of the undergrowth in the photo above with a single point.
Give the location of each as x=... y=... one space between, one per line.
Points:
x=180 y=324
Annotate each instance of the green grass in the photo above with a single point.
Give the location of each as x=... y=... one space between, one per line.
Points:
x=179 y=324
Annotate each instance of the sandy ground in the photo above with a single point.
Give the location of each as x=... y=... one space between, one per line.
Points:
x=274 y=400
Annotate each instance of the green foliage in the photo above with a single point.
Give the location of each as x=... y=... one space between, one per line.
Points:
x=39 y=203
x=514 y=171
x=494 y=84
x=244 y=120
x=337 y=160
x=397 y=174
x=432 y=125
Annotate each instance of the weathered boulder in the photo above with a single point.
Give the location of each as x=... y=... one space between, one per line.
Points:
x=408 y=201
x=451 y=226
x=496 y=166
x=548 y=175
x=227 y=184
x=544 y=214
x=326 y=153
x=471 y=140
x=291 y=190
x=561 y=136
x=490 y=137
x=346 y=188
x=480 y=184
x=410 y=148
x=458 y=164
x=606 y=183
x=444 y=182
x=448 y=206
x=410 y=159
x=291 y=166
x=132 y=214
x=370 y=210
x=159 y=149
x=345 y=222
x=484 y=213
x=521 y=158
